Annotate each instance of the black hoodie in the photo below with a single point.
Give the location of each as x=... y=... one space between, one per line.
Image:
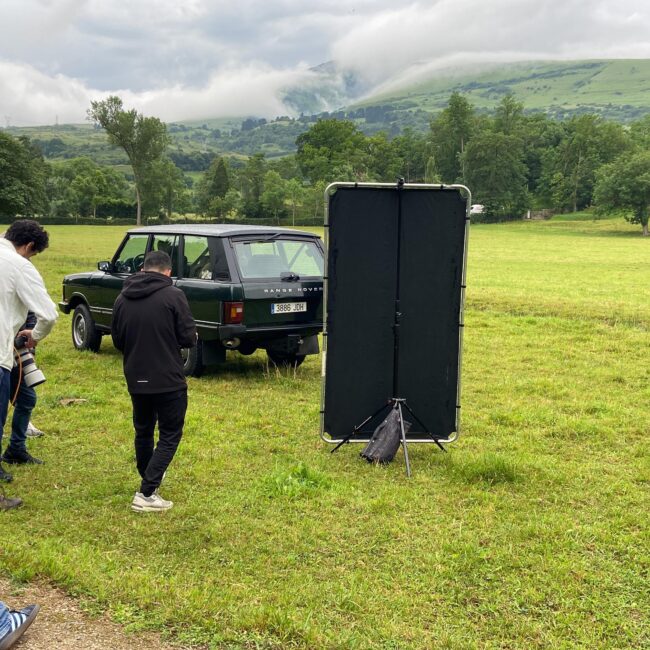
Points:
x=151 y=323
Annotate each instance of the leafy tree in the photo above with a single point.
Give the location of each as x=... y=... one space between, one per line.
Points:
x=295 y=195
x=385 y=163
x=114 y=184
x=431 y=174
x=450 y=134
x=195 y=161
x=315 y=200
x=286 y=166
x=623 y=186
x=415 y=151
x=231 y=204
x=219 y=181
x=23 y=175
x=79 y=186
x=87 y=190
x=570 y=168
x=496 y=173
x=508 y=118
x=640 y=132
x=214 y=184
x=252 y=185
x=272 y=198
x=540 y=135
x=52 y=147
x=143 y=138
x=164 y=188
x=332 y=150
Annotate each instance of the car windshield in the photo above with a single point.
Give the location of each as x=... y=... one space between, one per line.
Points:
x=272 y=258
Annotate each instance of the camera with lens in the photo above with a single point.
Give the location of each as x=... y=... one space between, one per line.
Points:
x=32 y=375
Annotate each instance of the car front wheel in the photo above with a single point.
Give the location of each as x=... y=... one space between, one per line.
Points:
x=85 y=335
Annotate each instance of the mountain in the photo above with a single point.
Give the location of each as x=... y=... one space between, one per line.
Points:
x=327 y=88
x=615 y=89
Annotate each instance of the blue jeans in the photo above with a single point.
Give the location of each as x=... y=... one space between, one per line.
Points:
x=5 y=623
x=5 y=391
x=23 y=407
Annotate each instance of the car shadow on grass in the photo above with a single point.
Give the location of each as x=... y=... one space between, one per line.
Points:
x=238 y=365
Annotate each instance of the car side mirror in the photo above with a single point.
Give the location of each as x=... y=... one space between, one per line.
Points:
x=104 y=266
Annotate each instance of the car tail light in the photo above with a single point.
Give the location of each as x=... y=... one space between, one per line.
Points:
x=233 y=313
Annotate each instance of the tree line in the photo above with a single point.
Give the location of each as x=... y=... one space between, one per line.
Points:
x=512 y=162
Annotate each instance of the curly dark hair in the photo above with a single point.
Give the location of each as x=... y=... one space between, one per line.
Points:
x=25 y=231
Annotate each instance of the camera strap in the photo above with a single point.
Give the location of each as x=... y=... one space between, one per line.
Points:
x=20 y=377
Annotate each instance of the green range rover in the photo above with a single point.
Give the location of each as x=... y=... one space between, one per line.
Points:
x=248 y=287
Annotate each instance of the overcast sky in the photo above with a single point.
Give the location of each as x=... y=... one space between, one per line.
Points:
x=192 y=59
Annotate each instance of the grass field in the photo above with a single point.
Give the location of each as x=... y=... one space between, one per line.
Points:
x=532 y=532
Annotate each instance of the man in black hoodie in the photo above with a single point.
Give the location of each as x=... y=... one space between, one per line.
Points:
x=151 y=323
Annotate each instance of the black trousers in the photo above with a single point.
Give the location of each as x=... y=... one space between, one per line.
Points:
x=168 y=409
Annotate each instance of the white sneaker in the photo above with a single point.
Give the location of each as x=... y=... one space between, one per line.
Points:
x=154 y=503
x=33 y=431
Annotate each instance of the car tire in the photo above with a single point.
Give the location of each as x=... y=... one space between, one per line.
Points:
x=285 y=359
x=193 y=360
x=246 y=348
x=85 y=335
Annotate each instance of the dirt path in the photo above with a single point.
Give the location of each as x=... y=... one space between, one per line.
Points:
x=61 y=624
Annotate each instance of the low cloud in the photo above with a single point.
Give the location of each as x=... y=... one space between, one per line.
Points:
x=396 y=43
x=30 y=97
x=211 y=58
x=251 y=90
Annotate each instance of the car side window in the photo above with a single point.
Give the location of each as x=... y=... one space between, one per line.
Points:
x=198 y=260
x=130 y=259
x=167 y=244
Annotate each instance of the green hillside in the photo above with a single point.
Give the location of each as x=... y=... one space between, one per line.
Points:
x=193 y=144
x=615 y=89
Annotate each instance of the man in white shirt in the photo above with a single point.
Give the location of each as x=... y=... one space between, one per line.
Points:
x=21 y=290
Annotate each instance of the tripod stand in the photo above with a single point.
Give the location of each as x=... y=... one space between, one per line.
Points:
x=395 y=403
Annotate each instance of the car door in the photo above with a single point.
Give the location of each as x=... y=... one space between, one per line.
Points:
x=205 y=279
x=128 y=259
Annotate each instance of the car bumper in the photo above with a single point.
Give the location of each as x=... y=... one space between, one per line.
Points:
x=64 y=307
x=262 y=337
x=279 y=331
x=225 y=332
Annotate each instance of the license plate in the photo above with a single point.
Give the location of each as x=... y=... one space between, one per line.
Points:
x=288 y=307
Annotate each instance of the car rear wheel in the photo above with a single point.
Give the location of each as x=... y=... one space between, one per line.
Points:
x=85 y=335
x=246 y=348
x=193 y=360
x=285 y=359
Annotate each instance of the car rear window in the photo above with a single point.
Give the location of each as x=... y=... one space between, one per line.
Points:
x=269 y=259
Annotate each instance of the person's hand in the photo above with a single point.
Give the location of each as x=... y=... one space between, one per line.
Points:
x=30 y=343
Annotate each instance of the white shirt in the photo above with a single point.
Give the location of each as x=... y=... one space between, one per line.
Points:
x=21 y=290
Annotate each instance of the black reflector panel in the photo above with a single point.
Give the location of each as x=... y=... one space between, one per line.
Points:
x=364 y=282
